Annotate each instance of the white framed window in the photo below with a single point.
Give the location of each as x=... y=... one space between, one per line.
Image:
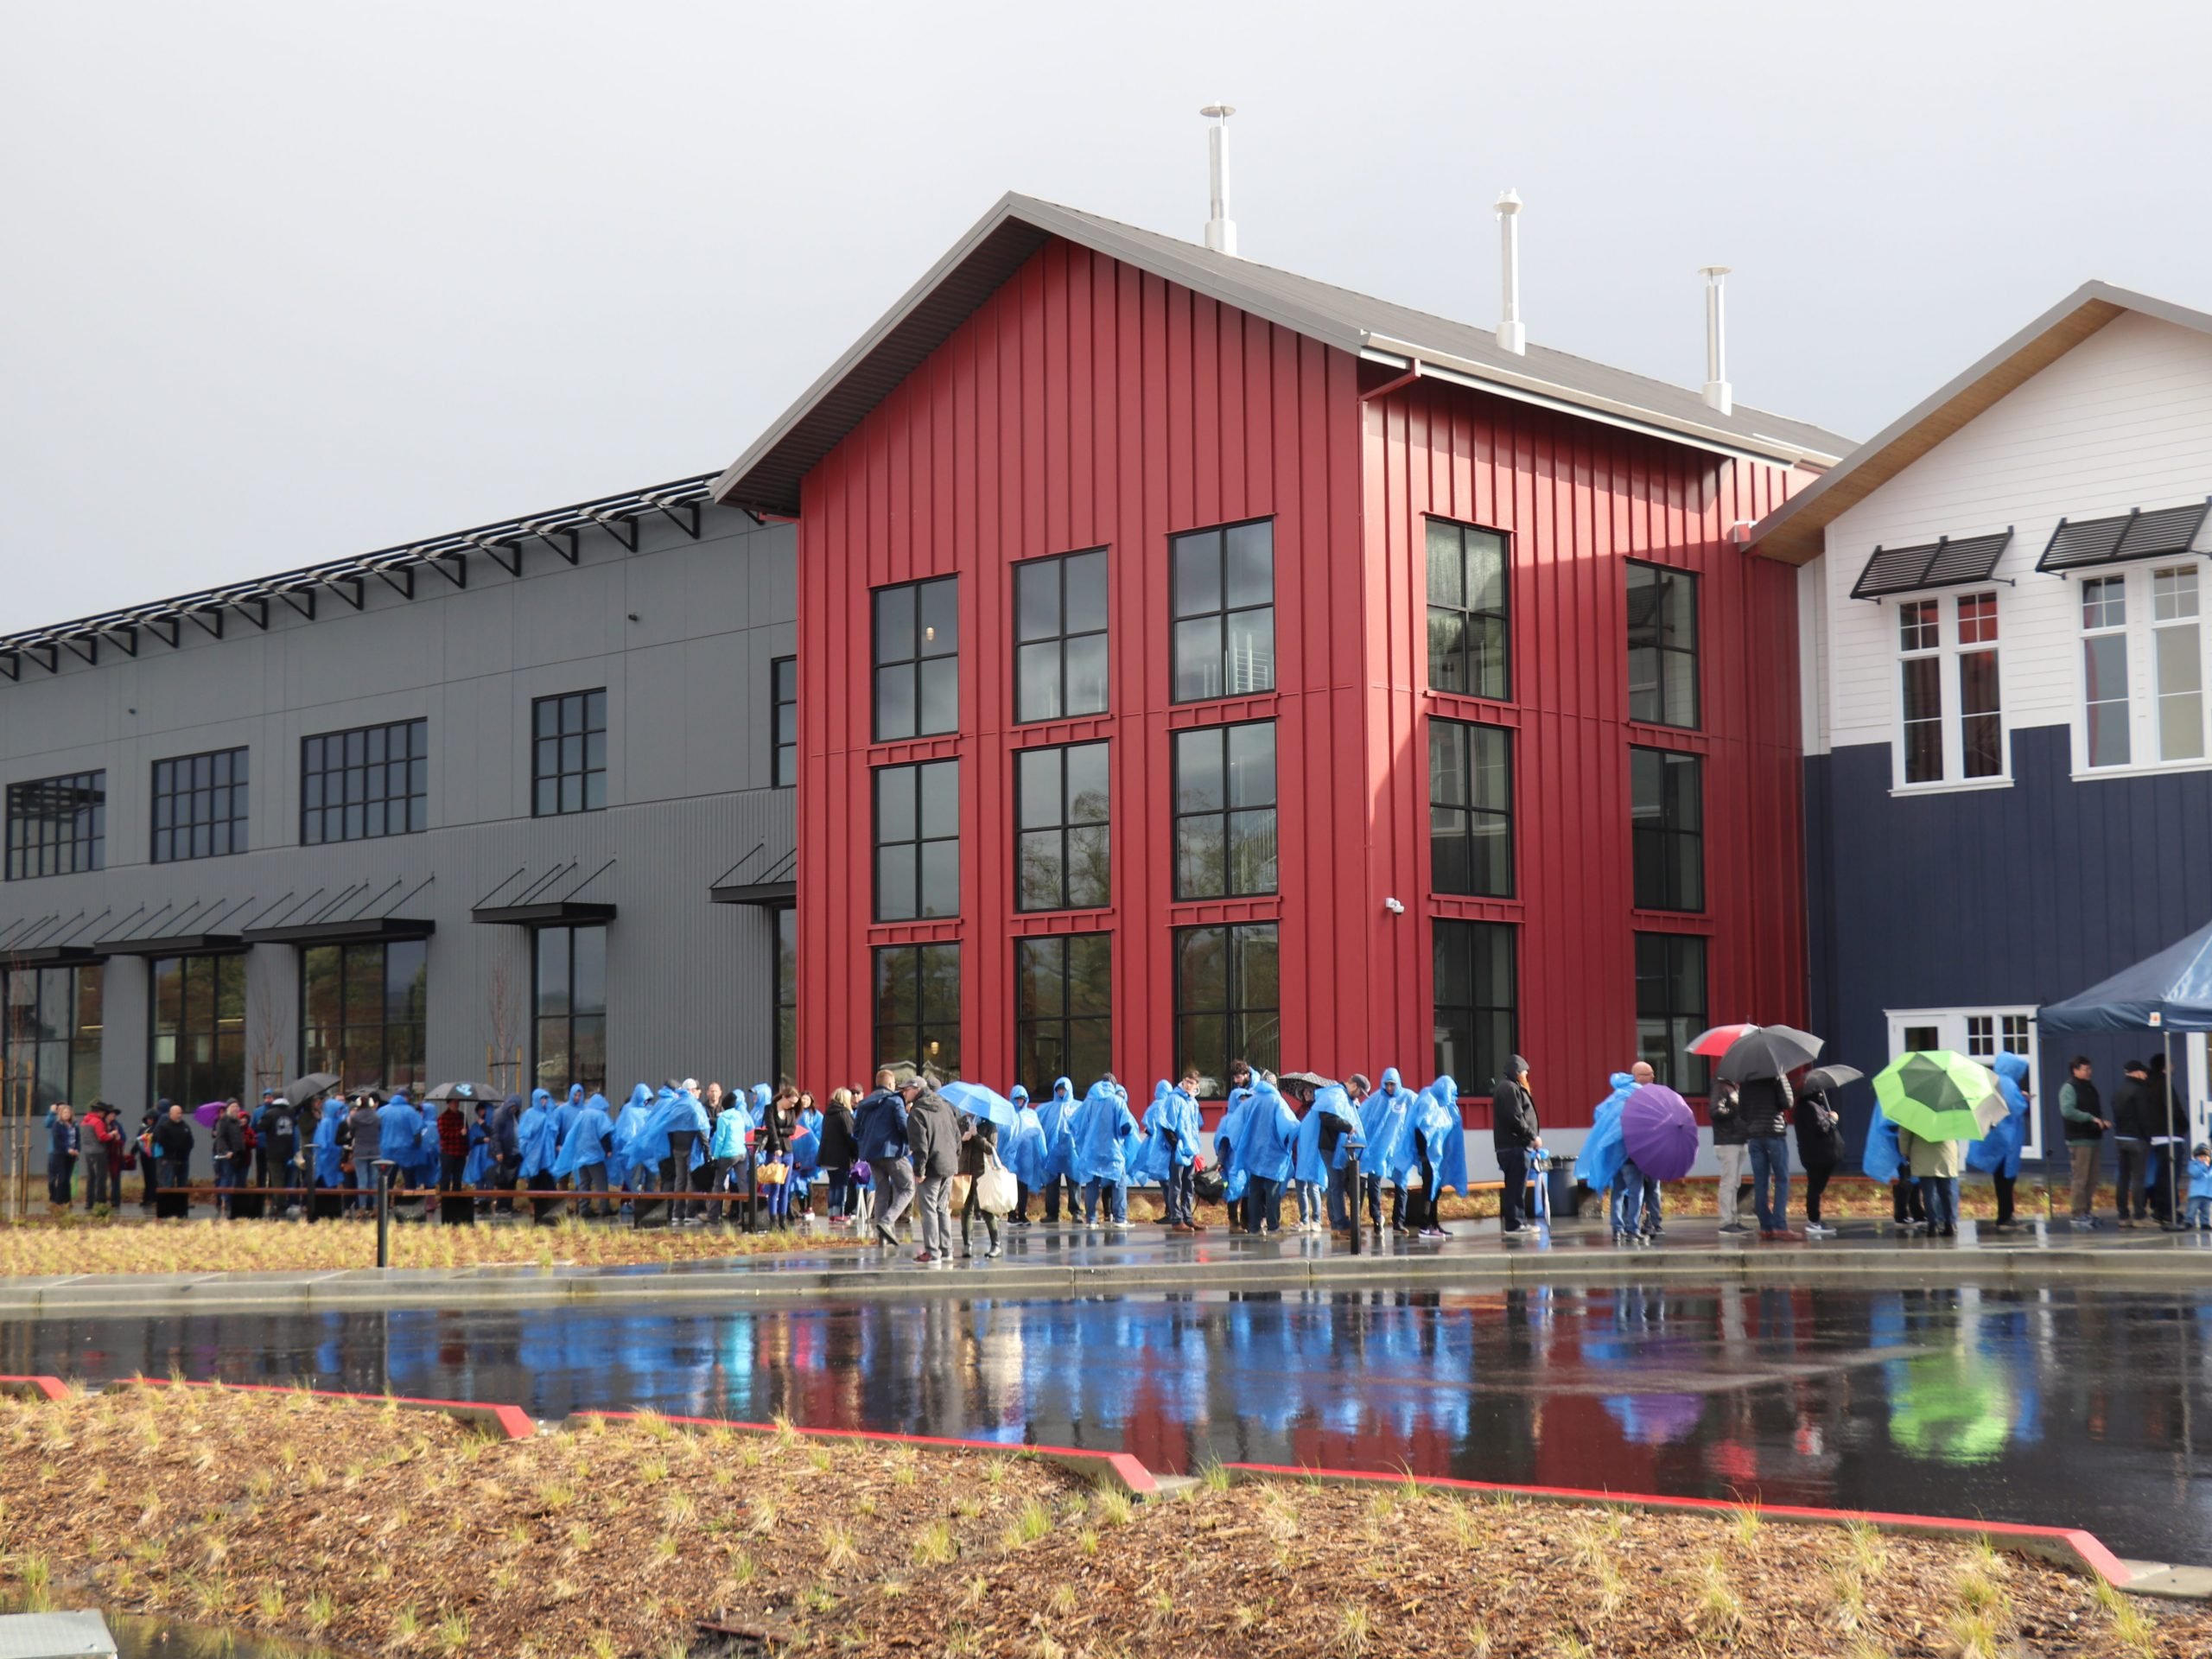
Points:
x=2177 y=657
x=1950 y=709
x=2105 y=740
x=1981 y=1034
x=2145 y=662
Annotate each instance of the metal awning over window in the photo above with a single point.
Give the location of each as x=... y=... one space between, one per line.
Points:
x=543 y=900
x=1942 y=563
x=2137 y=535
x=768 y=881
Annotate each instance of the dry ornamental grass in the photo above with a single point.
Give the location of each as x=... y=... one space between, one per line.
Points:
x=366 y=1527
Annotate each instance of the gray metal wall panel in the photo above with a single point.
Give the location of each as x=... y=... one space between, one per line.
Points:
x=691 y=983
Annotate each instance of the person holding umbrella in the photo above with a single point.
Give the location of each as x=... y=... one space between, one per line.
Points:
x=1759 y=1063
x=1936 y=1099
x=1514 y=1135
x=1998 y=1153
x=1820 y=1140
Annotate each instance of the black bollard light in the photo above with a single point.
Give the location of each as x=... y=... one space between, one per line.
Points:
x=383 y=1167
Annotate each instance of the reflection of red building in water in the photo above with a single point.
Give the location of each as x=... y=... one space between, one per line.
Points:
x=1197 y=659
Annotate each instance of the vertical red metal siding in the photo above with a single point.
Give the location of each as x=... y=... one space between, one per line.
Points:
x=1087 y=404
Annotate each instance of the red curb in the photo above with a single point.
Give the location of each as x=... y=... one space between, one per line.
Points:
x=1119 y=1467
x=2069 y=1547
x=511 y=1422
x=42 y=1388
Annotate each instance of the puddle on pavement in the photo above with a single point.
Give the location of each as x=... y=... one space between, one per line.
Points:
x=163 y=1638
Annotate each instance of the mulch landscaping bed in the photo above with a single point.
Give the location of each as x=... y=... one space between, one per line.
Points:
x=357 y=1526
x=75 y=1246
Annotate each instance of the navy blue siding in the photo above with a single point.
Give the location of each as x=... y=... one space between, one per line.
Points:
x=1993 y=896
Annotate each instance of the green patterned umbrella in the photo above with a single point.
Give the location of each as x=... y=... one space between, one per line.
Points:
x=1934 y=1093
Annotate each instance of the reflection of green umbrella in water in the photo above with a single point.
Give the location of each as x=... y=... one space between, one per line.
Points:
x=1949 y=1408
x=1939 y=1095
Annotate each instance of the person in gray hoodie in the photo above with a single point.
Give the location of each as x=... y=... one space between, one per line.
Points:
x=934 y=1138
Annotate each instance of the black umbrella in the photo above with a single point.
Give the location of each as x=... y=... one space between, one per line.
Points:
x=300 y=1091
x=1769 y=1051
x=1312 y=1079
x=460 y=1091
x=1829 y=1078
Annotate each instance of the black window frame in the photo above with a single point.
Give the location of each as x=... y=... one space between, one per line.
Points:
x=1228 y=812
x=909 y=774
x=1654 y=842
x=1062 y=637
x=222 y=1074
x=1683 y=1023
x=570 y=1018
x=920 y=664
x=783 y=941
x=216 y=804
x=1662 y=576
x=783 y=734
x=318 y=812
x=549 y=755
x=1250 y=1031
x=1495 y=624
x=1032 y=964
x=1064 y=828
x=398 y=1052
x=890 y=1043
x=1220 y=612
x=76 y=825
x=45 y=1037
x=1488 y=1023
x=1467 y=736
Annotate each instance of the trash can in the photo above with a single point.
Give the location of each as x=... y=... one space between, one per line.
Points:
x=1561 y=1179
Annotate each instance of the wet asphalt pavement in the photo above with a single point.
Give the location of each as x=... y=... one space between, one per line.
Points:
x=2076 y=1405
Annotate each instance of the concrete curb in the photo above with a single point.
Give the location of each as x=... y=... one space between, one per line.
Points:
x=1116 y=1469
x=2070 y=1548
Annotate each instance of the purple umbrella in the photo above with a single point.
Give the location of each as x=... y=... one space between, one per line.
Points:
x=1655 y=1419
x=1660 y=1132
x=205 y=1115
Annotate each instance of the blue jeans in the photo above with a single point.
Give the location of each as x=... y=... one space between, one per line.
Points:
x=2200 y=1212
x=1116 y=1194
x=1940 y=1194
x=1770 y=1181
x=1632 y=1189
x=1309 y=1201
x=1340 y=1215
x=226 y=1176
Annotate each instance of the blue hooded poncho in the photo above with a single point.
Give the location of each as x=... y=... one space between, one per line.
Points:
x=672 y=1108
x=1436 y=1129
x=1998 y=1151
x=1268 y=1137
x=629 y=1124
x=538 y=1136
x=1224 y=1139
x=1027 y=1157
x=426 y=1148
x=564 y=1115
x=1383 y=1117
x=327 y=1153
x=730 y=1126
x=1332 y=1102
x=586 y=1141
x=1056 y=1128
x=400 y=1127
x=1884 y=1156
x=1171 y=1113
x=478 y=1169
x=1604 y=1151
x=1102 y=1129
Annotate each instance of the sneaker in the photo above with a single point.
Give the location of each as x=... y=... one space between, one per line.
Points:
x=1735 y=1227
x=923 y=1259
x=990 y=1253
x=886 y=1238
x=1434 y=1232
x=1816 y=1230
x=1949 y=1231
x=1120 y=1226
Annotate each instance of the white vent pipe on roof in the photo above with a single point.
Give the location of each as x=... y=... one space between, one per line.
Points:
x=1511 y=335
x=1221 y=229
x=1718 y=394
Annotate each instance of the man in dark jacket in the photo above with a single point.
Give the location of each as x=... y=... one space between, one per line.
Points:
x=280 y=1151
x=2132 y=1127
x=933 y=1137
x=2081 y=1112
x=1763 y=1106
x=1730 y=1150
x=880 y=1128
x=173 y=1140
x=233 y=1154
x=506 y=1150
x=1514 y=1136
x=2168 y=1145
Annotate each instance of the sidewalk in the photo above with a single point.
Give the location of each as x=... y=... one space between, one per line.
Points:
x=1043 y=1261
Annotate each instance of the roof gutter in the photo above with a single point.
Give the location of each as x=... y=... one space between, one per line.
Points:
x=1546 y=394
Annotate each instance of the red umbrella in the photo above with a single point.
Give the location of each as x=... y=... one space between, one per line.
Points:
x=1718 y=1041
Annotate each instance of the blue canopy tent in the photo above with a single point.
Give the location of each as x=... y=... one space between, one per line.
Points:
x=2169 y=992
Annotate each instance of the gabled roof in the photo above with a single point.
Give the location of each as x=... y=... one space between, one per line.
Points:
x=766 y=477
x=1792 y=532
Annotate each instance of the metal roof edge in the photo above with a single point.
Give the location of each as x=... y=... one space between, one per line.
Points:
x=1816 y=498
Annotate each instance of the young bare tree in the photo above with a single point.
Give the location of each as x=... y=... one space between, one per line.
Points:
x=268 y=1040
x=503 y=1015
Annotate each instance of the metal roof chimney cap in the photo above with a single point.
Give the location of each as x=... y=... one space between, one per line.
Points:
x=1512 y=335
x=1221 y=229
x=1718 y=394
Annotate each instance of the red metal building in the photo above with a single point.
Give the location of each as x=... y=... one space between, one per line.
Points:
x=1060 y=385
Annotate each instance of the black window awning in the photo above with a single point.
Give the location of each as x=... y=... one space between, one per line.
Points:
x=1944 y=563
x=50 y=956
x=367 y=931
x=176 y=944
x=2086 y=544
x=772 y=896
x=551 y=913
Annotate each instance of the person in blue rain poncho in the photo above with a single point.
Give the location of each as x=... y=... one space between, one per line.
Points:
x=1267 y=1145
x=1172 y=1128
x=1605 y=1166
x=1998 y=1153
x=1056 y=1128
x=424 y=1170
x=582 y=1157
x=1103 y=1132
x=566 y=1112
x=477 y=1171
x=1225 y=1141
x=680 y=1131
x=1884 y=1161
x=1329 y=1123
x=1025 y=1155
x=399 y=1137
x=329 y=1159
x=726 y=1150
x=1382 y=1122
x=1432 y=1155
x=538 y=1137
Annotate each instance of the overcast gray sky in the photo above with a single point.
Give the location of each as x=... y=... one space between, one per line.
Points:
x=284 y=281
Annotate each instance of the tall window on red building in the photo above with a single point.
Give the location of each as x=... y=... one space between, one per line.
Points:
x=1059 y=636
x=917 y=1007
x=1663 y=648
x=918 y=841
x=1670 y=1007
x=1228 y=1001
x=1224 y=604
x=1063 y=1009
x=1475 y=1002
x=1226 y=810
x=917 y=659
x=1062 y=858
x=1467 y=638
x=1471 y=809
x=1667 y=829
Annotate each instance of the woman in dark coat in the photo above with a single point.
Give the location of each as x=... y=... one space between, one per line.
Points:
x=1820 y=1149
x=838 y=1152
x=979 y=1143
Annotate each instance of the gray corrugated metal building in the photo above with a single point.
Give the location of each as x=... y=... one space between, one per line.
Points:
x=198 y=899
